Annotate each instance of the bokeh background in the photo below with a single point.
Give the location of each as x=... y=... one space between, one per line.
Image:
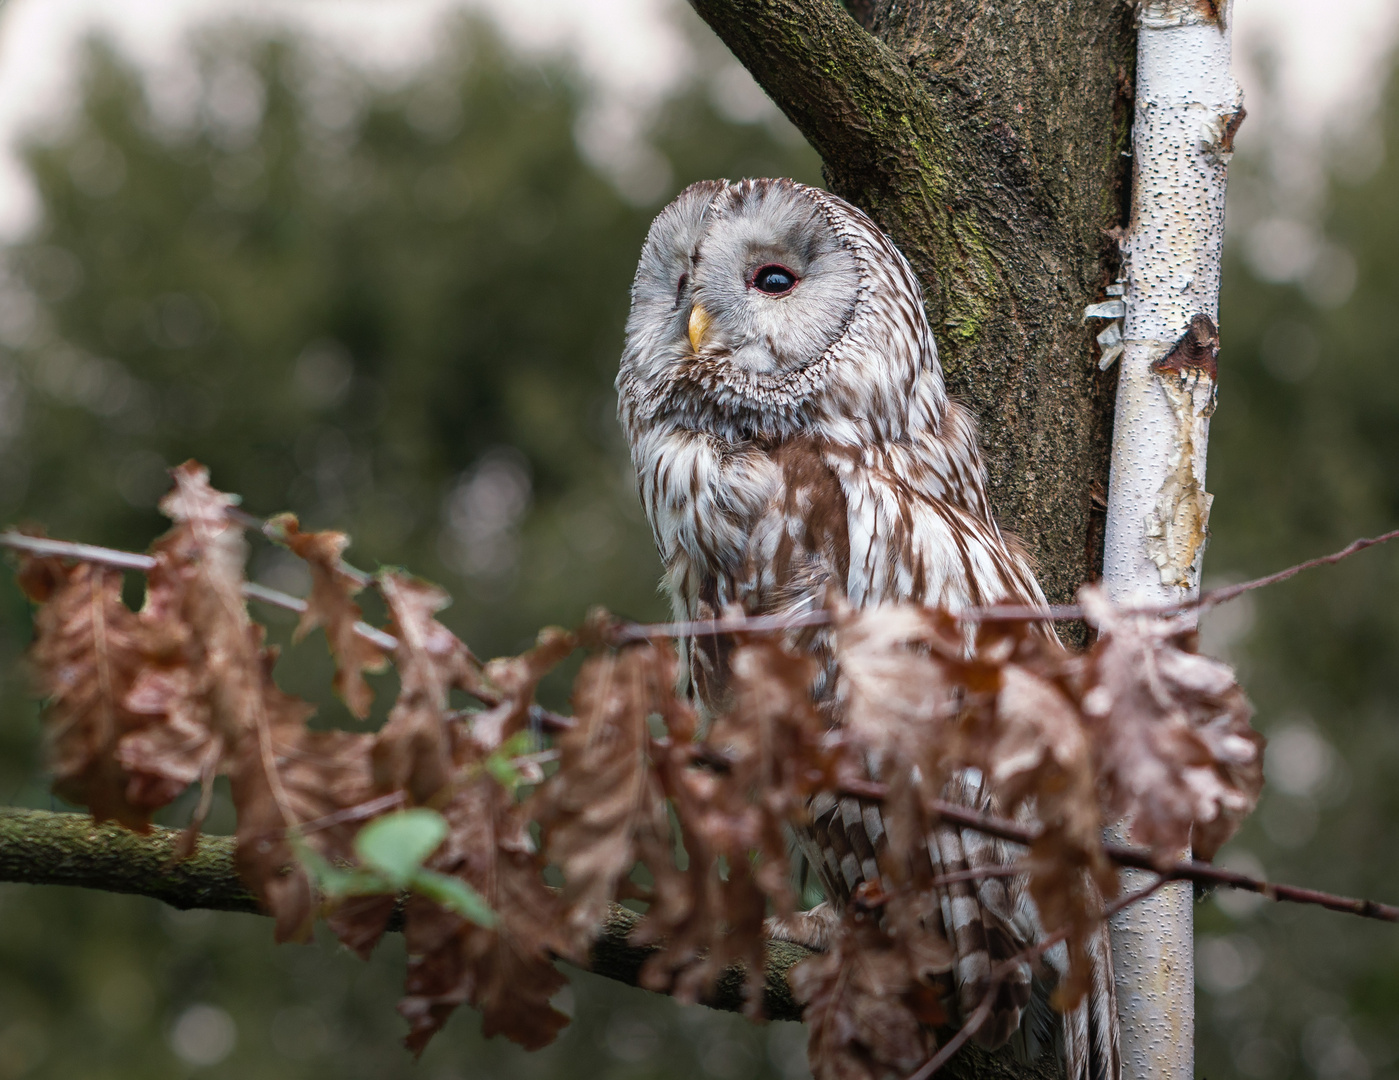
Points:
x=374 y=270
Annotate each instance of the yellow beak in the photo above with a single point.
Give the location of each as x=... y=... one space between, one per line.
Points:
x=699 y=326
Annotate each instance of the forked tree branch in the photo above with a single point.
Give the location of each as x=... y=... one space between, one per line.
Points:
x=987 y=140
x=844 y=89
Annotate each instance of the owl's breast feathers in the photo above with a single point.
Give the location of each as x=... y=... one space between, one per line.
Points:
x=771 y=526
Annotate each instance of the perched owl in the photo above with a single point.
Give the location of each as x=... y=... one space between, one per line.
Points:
x=781 y=392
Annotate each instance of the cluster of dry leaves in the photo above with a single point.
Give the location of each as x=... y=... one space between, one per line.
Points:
x=692 y=820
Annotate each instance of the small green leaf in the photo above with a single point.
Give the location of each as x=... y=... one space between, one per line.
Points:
x=503 y=771
x=335 y=882
x=501 y=764
x=454 y=895
x=396 y=844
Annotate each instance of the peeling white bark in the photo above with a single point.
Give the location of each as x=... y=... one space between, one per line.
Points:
x=1187 y=109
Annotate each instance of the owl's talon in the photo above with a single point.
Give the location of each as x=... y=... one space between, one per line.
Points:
x=810 y=929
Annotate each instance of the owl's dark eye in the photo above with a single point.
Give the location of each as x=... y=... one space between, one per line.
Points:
x=773 y=279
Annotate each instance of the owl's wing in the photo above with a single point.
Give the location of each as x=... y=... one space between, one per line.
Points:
x=920 y=530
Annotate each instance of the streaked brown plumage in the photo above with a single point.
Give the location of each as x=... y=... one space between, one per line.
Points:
x=782 y=396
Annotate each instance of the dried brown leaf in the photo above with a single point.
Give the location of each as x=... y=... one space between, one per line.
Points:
x=1038 y=755
x=869 y=1013
x=179 y=747
x=511 y=682
x=915 y=701
x=927 y=708
x=708 y=916
x=766 y=757
x=777 y=742
x=331 y=606
x=317 y=773
x=1176 y=753
x=605 y=806
x=505 y=971
x=895 y=681
x=174 y=689
x=413 y=749
x=281 y=774
x=87 y=650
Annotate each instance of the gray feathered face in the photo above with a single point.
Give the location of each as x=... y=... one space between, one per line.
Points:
x=768 y=309
x=739 y=287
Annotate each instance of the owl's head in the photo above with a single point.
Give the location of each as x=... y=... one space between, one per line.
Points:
x=766 y=309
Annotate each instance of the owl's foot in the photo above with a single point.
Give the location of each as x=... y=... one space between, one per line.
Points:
x=811 y=929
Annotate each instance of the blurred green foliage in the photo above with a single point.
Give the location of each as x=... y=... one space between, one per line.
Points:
x=1304 y=457
x=397 y=311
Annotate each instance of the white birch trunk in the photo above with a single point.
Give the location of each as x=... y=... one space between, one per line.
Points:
x=1187 y=109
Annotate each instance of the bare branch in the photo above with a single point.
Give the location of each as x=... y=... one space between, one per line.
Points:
x=1228 y=592
x=277 y=598
x=66 y=549
x=130 y=560
x=1185 y=870
x=966 y=1031
x=626 y=633
x=757 y=624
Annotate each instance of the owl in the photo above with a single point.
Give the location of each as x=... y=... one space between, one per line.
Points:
x=781 y=393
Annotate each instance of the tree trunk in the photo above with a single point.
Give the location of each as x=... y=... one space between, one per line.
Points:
x=990 y=141
x=1188 y=109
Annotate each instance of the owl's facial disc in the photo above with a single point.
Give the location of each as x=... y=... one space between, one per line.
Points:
x=741 y=289
x=773 y=285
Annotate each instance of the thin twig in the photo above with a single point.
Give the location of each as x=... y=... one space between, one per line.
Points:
x=130 y=560
x=965 y=1032
x=755 y=624
x=277 y=598
x=991 y=613
x=1184 y=870
x=978 y=873
x=1228 y=592
x=358 y=812
x=65 y=549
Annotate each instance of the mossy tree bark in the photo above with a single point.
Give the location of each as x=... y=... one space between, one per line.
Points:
x=990 y=140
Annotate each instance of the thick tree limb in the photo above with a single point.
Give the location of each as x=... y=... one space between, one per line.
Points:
x=988 y=140
x=849 y=94
x=38 y=847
